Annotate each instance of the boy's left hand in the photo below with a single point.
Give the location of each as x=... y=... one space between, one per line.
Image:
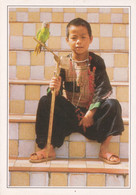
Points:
x=87 y=120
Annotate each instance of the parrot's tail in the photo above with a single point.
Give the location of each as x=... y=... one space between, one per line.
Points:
x=37 y=49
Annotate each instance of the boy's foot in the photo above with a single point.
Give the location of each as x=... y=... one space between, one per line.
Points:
x=109 y=158
x=41 y=156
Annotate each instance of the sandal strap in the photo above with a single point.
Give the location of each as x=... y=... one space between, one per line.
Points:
x=40 y=154
x=109 y=155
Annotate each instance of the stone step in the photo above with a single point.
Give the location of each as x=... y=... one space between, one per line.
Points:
x=30 y=91
x=70 y=172
x=22 y=141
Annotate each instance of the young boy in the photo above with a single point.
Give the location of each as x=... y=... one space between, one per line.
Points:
x=85 y=109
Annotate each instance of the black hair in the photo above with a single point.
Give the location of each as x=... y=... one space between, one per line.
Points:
x=79 y=22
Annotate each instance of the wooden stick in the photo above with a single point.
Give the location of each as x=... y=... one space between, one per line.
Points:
x=57 y=59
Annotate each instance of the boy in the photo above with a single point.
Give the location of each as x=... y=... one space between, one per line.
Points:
x=86 y=108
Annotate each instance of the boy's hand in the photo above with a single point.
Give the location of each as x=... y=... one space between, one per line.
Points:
x=87 y=120
x=55 y=83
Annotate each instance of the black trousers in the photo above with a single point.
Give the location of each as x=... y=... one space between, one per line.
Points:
x=107 y=121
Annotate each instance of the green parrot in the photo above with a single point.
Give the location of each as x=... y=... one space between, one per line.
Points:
x=42 y=35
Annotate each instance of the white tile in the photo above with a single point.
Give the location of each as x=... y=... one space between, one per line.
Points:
x=57 y=9
x=104 y=10
x=113 y=95
x=106 y=30
x=12 y=9
x=55 y=29
x=77 y=137
x=76 y=179
x=124 y=150
x=92 y=149
x=94 y=164
x=68 y=17
x=126 y=10
x=22 y=163
x=43 y=90
x=11 y=162
x=17 y=92
x=114 y=180
x=77 y=164
x=127 y=30
x=62 y=152
x=81 y=10
x=108 y=59
x=49 y=59
x=13 y=130
x=23 y=58
x=29 y=29
x=120 y=74
x=42 y=164
x=31 y=106
x=37 y=72
x=12 y=72
x=16 y=42
x=93 y=17
x=58 y=163
x=33 y=9
x=119 y=43
x=125 y=109
x=64 y=44
x=95 y=44
x=38 y=179
x=22 y=16
x=116 y=18
x=26 y=148
x=45 y=17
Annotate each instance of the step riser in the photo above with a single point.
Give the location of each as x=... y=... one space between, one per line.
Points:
x=67 y=179
x=22 y=143
x=26 y=101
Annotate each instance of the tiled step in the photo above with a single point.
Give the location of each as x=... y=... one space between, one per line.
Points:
x=70 y=172
x=22 y=141
x=30 y=91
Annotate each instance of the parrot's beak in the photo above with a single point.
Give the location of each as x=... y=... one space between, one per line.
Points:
x=47 y=25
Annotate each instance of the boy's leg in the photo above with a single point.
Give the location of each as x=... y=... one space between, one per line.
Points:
x=64 y=124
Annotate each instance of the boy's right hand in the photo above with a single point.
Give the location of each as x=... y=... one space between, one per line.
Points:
x=55 y=83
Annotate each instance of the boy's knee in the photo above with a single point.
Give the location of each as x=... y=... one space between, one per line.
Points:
x=113 y=104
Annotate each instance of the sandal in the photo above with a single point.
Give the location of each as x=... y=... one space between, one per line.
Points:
x=107 y=159
x=41 y=157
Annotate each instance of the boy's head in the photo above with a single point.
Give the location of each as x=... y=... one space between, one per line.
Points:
x=79 y=22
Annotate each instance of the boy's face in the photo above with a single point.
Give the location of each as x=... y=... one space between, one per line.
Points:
x=79 y=39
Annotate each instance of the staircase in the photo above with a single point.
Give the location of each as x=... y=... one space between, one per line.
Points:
x=77 y=162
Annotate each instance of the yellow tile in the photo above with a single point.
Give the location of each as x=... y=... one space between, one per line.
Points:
x=106 y=43
x=57 y=17
x=27 y=131
x=127 y=44
x=34 y=16
x=17 y=106
x=56 y=40
x=81 y=15
x=29 y=43
x=49 y=72
x=12 y=16
x=114 y=148
x=77 y=149
x=122 y=94
x=95 y=30
x=23 y=72
x=110 y=73
x=117 y=10
x=125 y=18
x=119 y=30
x=105 y=18
x=96 y=180
x=19 y=179
x=21 y=9
x=45 y=9
x=32 y=92
x=125 y=135
x=37 y=59
x=126 y=180
x=12 y=58
x=16 y=29
x=69 y=10
x=92 y=10
x=121 y=60
x=13 y=148
x=58 y=179
x=63 y=29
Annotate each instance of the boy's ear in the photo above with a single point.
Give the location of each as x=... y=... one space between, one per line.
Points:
x=91 y=39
